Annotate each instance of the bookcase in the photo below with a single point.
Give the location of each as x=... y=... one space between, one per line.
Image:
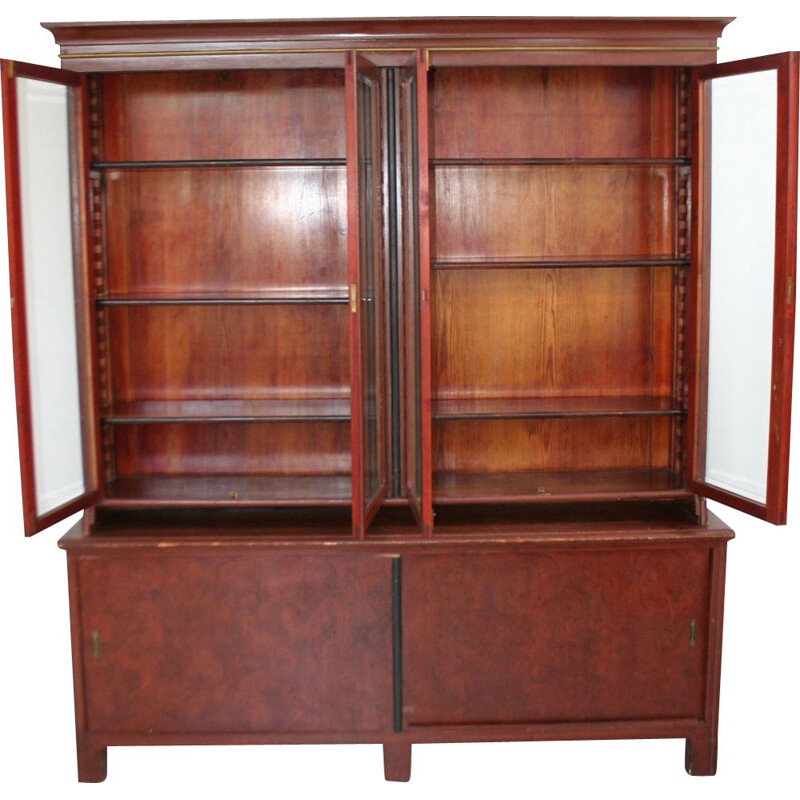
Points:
x=391 y=362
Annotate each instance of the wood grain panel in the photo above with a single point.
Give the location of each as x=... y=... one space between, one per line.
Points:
x=554 y=211
x=228 y=352
x=237 y=643
x=159 y=116
x=233 y=448
x=516 y=445
x=226 y=230
x=592 y=112
x=550 y=333
x=556 y=636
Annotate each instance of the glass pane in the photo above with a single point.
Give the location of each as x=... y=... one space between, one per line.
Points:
x=741 y=277
x=411 y=259
x=369 y=255
x=48 y=244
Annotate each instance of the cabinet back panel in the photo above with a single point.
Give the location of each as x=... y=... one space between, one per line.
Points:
x=226 y=230
x=228 y=352
x=553 y=211
x=252 y=448
x=223 y=115
x=541 y=112
x=552 y=332
x=517 y=445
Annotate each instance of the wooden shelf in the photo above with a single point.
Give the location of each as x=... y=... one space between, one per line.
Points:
x=234 y=491
x=530 y=407
x=307 y=409
x=566 y=162
x=587 y=262
x=213 y=163
x=527 y=487
x=328 y=295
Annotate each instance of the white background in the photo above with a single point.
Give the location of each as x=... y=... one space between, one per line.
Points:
x=760 y=708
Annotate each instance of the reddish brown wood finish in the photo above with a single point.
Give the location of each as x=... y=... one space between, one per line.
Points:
x=558 y=333
x=225 y=231
x=519 y=445
x=506 y=212
x=227 y=352
x=426 y=233
x=92 y=761
x=365 y=270
x=543 y=112
x=397 y=762
x=33 y=520
x=219 y=593
x=245 y=643
x=224 y=115
x=450 y=40
x=786 y=65
x=559 y=637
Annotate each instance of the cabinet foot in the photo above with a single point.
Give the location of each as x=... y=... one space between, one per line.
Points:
x=701 y=755
x=92 y=763
x=397 y=762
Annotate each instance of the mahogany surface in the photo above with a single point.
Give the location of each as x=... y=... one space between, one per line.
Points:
x=349 y=278
x=554 y=636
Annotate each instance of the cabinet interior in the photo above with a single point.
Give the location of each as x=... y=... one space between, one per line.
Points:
x=559 y=258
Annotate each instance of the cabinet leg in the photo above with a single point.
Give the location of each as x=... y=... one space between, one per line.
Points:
x=92 y=763
x=397 y=762
x=701 y=755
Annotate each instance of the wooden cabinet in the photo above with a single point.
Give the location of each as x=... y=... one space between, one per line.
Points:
x=392 y=363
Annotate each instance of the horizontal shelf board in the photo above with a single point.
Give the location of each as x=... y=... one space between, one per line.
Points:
x=300 y=296
x=582 y=262
x=313 y=409
x=214 y=163
x=533 y=162
x=538 y=487
x=529 y=407
x=206 y=491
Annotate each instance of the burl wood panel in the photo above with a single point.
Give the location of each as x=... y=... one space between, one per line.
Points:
x=228 y=352
x=254 y=448
x=556 y=211
x=554 y=636
x=162 y=116
x=226 y=230
x=550 y=333
x=237 y=643
x=552 y=112
x=513 y=445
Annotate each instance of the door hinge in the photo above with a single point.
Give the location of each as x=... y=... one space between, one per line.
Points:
x=353 y=298
x=693 y=633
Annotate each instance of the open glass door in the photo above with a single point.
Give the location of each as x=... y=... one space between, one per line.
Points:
x=364 y=187
x=42 y=113
x=416 y=264
x=743 y=283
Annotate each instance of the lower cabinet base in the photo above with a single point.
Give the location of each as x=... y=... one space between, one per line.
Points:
x=701 y=755
x=92 y=762
x=565 y=635
x=701 y=759
x=397 y=762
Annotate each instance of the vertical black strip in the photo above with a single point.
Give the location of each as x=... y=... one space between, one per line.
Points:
x=394 y=317
x=397 y=646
